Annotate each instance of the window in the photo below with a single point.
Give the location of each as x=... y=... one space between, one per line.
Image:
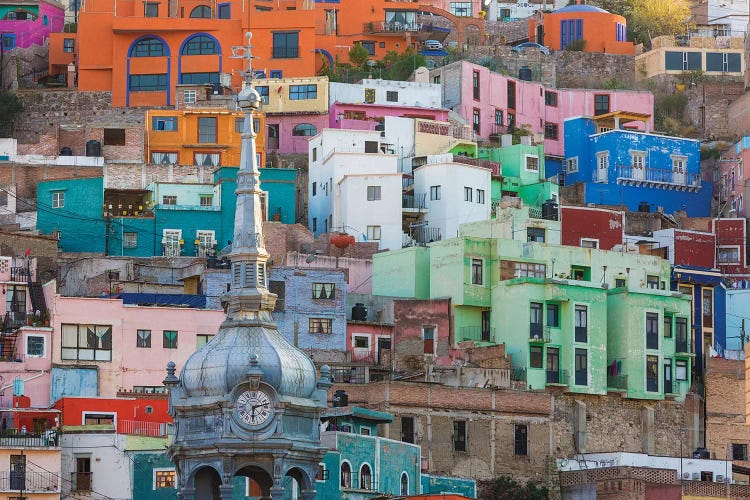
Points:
x=652 y=373
x=130 y=240
x=224 y=11
x=35 y=346
x=581 y=323
x=680 y=372
x=511 y=269
x=304 y=130
x=285 y=45
x=536 y=234
x=148 y=83
x=373 y=193
x=346 y=475
x=729 y=255
x=535 y=356
x=601 y=104
x=320 y=325
x=68 y=44
x=189 y=96
x=475 y=84
x=365 y=431
x=207 y=159
x=143 y=338
x=459 y=435
x=480 y=196
x=652 y=331
x=150 y=9
x=201 y=12
x=404 y=484
x=206 y=200
x=8 y=41
x=324 y=291
x=498 y=117
x=207 y=130
x=476 y=121
x=365 y=477
x=98 y=418
x=739 y=451
x=407 y=430
x=581 y=367
x=708 y=306
x=683 y=61
x=164 y=478
x=667 y=326
x=58 y=199
x=553 y=315
x=200 y=45
x=461 y=9
x=315 y=224
x=550 y=130
x=302 y=92
x=361 y=342
x=391 y=96
x=369 y=47
x=476 y=272
x=521 y=440
x=147 y=47
x=434 y=192
x=652 y=282
x=263 y=93
x=620 y=282
x=373 y=233
x=169 y=200
x=535 y=320
x=681 y=340
x=114 y=136
x=468 y=193
x=371 y=147
x=723 y=62
x=169 y=339
x=572 y=165
x=278 y=288
x=550 y=98
x=164 y=123
x=428 y=336
x=511 y=90
x=589 y=243
x=532 y=163
x=202 y=339
x=87 y=342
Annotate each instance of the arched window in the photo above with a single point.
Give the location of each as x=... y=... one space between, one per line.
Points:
x=346 y=475
x=202 y=11
x=404 y=484
x=200 y=45
x=365 y=478
x=148 y=47
x=305 y=129
x=45 y=20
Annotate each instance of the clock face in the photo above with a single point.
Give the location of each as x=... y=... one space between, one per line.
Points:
x=254 y=407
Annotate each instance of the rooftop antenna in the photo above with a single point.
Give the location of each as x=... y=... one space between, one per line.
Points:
x=245 y=52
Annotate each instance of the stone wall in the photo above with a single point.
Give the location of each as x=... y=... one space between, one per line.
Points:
x=708 y=108
x=594 y=70
x=44 y=248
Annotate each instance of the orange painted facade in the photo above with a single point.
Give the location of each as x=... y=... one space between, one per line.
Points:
x=602 y=31
x=141 y=50
x=62 y=50
x=178 y=132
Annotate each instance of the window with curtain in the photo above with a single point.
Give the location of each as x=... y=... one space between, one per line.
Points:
x=207 y=159
x=164 y=158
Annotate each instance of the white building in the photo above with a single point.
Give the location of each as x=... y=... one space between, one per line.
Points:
x=498 y=10
x=387 y=93
x=721 y=17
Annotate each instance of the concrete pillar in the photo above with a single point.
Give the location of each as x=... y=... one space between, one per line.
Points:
x=277 y=493
x=186 y=494
x=579 y=426
x=71 y=76
x=225 y=491
x=307 y=495
x=647 y=430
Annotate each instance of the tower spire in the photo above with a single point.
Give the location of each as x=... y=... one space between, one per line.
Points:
x=249 y=297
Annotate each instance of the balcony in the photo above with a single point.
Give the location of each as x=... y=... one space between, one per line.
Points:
x=138 y=428
x=29 y=482
x=492 y=166
x=414 y=201
x=201 y=208
x=13 y=439
x=539 y=333
x=557 y=377
x=660 y=178
x=423 y=235
x=619 y=382
x=80 y=481
x=394 y=28
x=477 y=332
x=20 y=274
x=13 y=321
x=682 y=347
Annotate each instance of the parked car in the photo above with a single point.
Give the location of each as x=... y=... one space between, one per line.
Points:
x=433 y=45
x=530 y=45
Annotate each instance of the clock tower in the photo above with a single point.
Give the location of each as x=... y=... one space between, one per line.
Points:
x=248 y=402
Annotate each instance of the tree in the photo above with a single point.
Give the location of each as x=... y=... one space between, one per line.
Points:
x=358 y=55
x=507 y=488
x=10 y=107
x=652 y=18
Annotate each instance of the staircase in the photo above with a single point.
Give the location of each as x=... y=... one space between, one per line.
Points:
x=38 y=302
x=8 y=335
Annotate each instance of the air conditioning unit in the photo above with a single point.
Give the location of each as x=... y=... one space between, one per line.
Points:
x=719 y=478
x=686 y=475
x=696 y=476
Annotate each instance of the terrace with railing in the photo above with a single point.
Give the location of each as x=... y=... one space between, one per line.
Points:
x=414 y=201
x=139 y=428
x=14 y=438
x=29 y=481
x=664 y=178
x=557 y=377
x=477 y=332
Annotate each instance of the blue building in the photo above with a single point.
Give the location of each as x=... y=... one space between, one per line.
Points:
x=632 y=169
x=173 y=219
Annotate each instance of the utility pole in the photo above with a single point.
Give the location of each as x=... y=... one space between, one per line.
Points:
x=107 y=223
x=742 y=335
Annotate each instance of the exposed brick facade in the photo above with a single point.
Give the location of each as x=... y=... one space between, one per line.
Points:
x=44 y=248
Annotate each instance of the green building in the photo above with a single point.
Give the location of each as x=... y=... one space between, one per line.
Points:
x=166 y=218
x=588 y=320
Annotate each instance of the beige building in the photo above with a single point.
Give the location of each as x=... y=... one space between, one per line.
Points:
x=287 y=95
x=713 y=56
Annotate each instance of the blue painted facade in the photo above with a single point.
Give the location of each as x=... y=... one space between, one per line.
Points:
x=73 y=382
x=84 y=228
x=444 y=484
x=708 y=291
x=626 y=168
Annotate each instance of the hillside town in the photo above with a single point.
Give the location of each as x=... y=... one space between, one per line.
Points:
x=374 y=249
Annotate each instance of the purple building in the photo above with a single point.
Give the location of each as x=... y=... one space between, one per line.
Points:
x=24 y=23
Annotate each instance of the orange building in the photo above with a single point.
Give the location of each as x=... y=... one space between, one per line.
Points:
x=140 y=50
x=601 y=30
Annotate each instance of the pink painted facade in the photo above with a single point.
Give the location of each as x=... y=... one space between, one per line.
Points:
x=130 y=365
x=358 y=271
x=369 y=343
x=34 y=369
x=531 y=104
x=732 y=184
x=51 y=19
x=287 y=142
x=367 y=116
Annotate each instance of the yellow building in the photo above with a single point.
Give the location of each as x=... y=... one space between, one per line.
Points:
x=207 y=136
x=714 y=56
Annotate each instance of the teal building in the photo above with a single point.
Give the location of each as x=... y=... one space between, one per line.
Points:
x=173 y=219
x=589 y=321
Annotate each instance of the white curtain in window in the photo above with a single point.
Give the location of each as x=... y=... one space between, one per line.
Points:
x=207 y=159
x=168 y=158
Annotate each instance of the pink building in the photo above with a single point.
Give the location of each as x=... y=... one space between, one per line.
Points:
x=732 y=184
x=493 y=103
x=290 y=133
x=369 y=342
x=29 y=22
x=367 y=116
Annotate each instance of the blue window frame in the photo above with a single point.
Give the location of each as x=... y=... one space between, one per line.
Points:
x=148 y=83
x=301 y=92
x=262 y=90
x=8 y=41
x=570 y=29
x=148 y=47
x=164 y=123
x=286 y=45
x=200 y=45
x=199 y=78
x=69 y=44
x=224 y=11
x=276 y=73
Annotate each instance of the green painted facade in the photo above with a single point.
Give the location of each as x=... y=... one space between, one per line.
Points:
x=517 y=180
x=565 y=314
x=84 y=228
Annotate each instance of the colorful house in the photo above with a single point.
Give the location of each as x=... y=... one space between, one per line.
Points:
x=601 y=31
x=733 y=182
x=717 y=56
x=610 y=165
x=24 y=23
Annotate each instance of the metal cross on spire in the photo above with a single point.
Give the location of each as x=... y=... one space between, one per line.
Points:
x=245 y=52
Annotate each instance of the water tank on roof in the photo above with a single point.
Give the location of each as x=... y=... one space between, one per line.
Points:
x=66 y=151
x=359 y=312
x=340 y=399
x=549 y=210
x=701 y=453
x=644 y=206
x=525 y=74
x=93 y=148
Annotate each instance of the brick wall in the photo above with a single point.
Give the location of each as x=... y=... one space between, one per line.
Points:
x=42 y=247
x=409 y=317
x=708 y=107
x=25 y=177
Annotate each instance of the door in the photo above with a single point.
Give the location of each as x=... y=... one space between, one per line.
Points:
x=667 y=377
x=486 y=326
x=678 y=171
x=18 y=472
x=82 y=475
x=171 y=242
x=384 y=351
x=553 y=365
x=205 y=243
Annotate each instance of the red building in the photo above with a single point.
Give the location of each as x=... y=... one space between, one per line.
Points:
x=731 y=249
x=144 y=416
x=591 y=227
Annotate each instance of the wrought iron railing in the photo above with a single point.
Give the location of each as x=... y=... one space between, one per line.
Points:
x=416 y=201
x=557 y=377
x=139 y=428
x=477 y=332
x=29 y=481
x=518 y=374
x=12 y=437
x=617 y=381
x=663 y=175
x=20 y=273
x=424 y=235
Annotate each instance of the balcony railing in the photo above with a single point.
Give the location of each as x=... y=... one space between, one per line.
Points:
x=138 y=428
x=415 y=201
x=13 y=438
x=382 y=358
x=538 y=333
x=13 y=320
x=558 y=377
x=658 y=177
x=477 y=332
x=395 y=27
x=617 y=382
x=492 y=166
x=80 y=481
x=29 y=481
x=518 y=375
x=407 y=182
x=682 y=346
x=424 y=235
x=202 y=208
x=20 y=274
